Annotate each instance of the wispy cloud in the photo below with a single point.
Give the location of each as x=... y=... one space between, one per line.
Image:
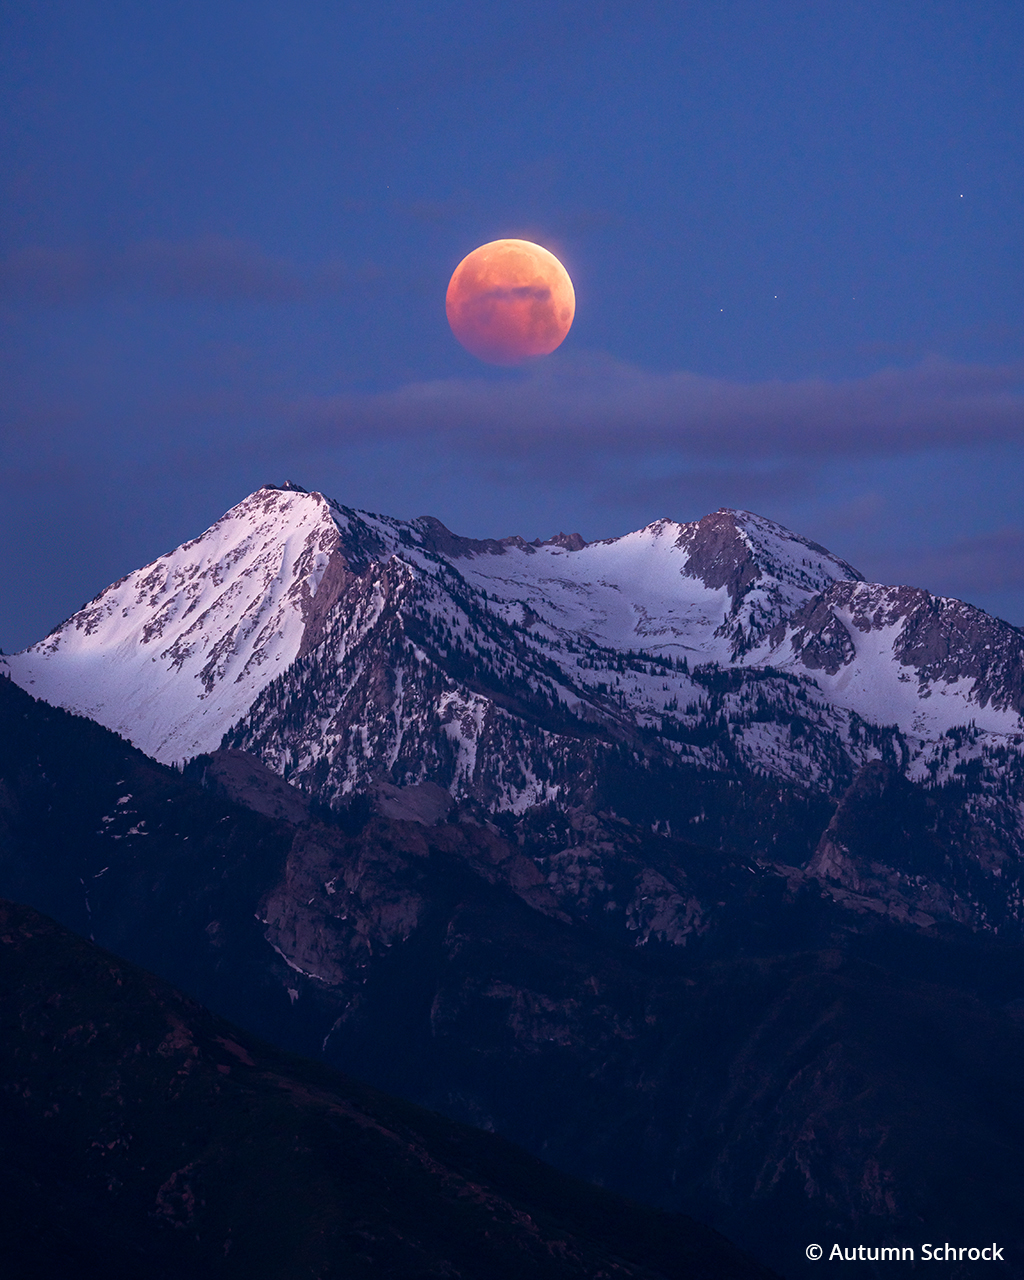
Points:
x=734 y=485
x=970 y=566
x=211 y=269
x=555 y=412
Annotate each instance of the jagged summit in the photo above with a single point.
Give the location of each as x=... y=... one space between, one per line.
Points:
x=734 y=548
x=349 y=648
x=713 y=587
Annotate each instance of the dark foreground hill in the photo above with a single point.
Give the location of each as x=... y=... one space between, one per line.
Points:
x=144 y=1137
x=797 y=1072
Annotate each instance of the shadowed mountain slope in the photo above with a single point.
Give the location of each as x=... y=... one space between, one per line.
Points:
x=145 y=1138
x=782 y=1057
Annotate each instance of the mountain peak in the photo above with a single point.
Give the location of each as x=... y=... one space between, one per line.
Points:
x=570 y=541
x=718 y=553
x=290 y=591
x=733 y=548
x=173 y=653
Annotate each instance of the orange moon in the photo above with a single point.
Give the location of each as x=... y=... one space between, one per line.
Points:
x=510 y=300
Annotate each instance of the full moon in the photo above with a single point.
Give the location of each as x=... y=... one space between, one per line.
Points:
x=510 y=300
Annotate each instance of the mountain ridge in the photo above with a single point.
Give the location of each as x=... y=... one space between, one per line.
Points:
x=123 y=1158
x=696 y=1017
x=232 y=608
x=352 y=652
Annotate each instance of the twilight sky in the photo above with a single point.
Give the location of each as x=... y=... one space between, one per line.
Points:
x=794 y=231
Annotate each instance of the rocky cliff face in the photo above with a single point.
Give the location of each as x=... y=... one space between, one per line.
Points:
x=649 y=674
x=941 y=646
x=777 y=1048
x=753 y=557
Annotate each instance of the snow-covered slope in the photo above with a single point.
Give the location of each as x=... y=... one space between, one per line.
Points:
x=175 y=652
x=698 y=590
x=898 y=655
x=346 y=647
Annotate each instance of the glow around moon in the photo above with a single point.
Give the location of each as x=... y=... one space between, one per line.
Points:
x=510 y=300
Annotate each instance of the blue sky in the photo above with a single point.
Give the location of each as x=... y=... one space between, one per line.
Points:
x=794 y=231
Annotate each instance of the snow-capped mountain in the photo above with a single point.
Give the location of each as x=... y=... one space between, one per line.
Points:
x=351 y=651
x=621 y=633
x=641 y=828
x=609 y=632
x=172 y=654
